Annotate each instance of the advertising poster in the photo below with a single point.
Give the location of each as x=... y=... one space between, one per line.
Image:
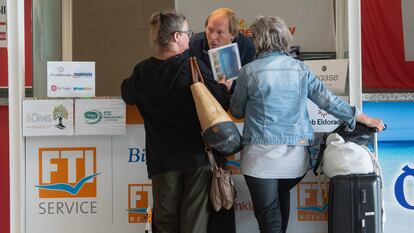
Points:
x=102 y=116
x=323 y=122
x=132 y=188
x=310 y=22
x=74 y=182
x=3 y=24
x=44 y=117
x=389 y=36
x=333 y=73
x=70 y=79
x=396 y=156
x=68 y=185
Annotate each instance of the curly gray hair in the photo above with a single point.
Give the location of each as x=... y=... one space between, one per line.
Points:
x=270 y=33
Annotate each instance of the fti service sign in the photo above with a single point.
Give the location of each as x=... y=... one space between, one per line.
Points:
x=139 y=199
x=45 y=117
x=312 y=203
x=68 y=184
x=67 y=172
x=70 y=79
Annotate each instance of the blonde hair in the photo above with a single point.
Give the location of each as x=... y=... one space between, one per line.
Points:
x=163 y=25
x=270 y=33
x=231 y=16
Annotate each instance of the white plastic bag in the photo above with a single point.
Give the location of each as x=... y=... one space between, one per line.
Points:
x=344 y=158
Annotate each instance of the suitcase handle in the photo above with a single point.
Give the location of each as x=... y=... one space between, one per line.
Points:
x=363 y=196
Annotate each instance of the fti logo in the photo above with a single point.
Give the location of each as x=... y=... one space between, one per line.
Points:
x=67 y=172
x=233 y=163
x=312 y=204
x=138 y=200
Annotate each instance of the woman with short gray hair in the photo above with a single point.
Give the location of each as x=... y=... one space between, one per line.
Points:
x=271 y=95
x=270 y=34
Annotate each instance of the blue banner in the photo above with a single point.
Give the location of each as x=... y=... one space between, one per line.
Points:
x=396 y=155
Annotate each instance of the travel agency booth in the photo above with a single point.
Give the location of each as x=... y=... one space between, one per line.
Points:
x=73 y=153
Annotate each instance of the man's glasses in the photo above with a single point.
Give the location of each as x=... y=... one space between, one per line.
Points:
x=189 y=33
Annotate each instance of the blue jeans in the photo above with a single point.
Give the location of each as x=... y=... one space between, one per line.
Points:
x=271 y=202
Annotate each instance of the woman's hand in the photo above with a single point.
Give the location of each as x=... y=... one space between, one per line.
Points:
x=371 y=122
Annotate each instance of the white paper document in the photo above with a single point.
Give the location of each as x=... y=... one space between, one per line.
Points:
x=225 y=61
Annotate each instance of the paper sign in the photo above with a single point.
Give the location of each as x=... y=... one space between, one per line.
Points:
x=47 y=117
x=70 y=79
x=333 y=73
x=323 y=122
x=100 y=117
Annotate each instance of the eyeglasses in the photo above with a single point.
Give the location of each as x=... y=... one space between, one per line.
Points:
x=189 y=33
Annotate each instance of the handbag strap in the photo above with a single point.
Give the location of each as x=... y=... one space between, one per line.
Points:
x=212 y=160
x=195 y=71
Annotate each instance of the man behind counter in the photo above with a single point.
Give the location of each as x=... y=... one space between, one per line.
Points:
x=221 y=28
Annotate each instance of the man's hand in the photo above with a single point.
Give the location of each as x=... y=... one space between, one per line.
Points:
x=223 y=80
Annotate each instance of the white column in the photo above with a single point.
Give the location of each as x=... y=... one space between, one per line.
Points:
x=355 y=73
x=15 y=28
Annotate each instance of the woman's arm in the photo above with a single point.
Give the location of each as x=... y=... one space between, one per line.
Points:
x=239 y=97
x=128 y=90
x=334 y=105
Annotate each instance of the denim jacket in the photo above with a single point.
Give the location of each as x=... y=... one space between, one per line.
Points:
x=271 y=94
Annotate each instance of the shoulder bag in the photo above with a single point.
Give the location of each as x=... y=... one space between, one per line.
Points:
x=222 y=192
x=218 y=129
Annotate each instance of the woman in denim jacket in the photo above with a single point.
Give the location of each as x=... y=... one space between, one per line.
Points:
x=271 y=94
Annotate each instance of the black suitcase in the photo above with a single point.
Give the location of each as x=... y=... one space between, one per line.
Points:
x=355 y=201
x=355 y=204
